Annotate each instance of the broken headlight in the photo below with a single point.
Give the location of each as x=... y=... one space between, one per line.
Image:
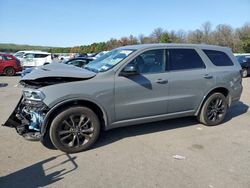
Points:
x=33 y=95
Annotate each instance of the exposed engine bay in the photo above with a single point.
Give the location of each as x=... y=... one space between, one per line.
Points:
x=27 y=118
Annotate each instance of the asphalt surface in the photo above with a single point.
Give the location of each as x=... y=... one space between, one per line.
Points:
x=135 y=156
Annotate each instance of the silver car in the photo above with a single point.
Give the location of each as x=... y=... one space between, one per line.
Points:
x=69 y=106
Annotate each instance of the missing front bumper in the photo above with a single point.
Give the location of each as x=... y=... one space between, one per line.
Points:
x=27 y=118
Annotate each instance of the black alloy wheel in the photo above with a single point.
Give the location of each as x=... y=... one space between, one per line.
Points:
x=213 y=110
x=75 y=129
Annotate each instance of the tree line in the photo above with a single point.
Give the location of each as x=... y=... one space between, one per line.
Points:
x=223 y=35
x=238 y=39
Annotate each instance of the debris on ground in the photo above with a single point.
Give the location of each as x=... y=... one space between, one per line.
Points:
x=179 y=157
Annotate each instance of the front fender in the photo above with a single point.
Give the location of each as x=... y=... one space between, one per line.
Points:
x=75 y=100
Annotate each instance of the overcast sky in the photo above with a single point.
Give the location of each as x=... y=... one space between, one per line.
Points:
x=78 y=22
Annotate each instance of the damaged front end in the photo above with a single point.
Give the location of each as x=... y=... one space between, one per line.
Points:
x=28 y=116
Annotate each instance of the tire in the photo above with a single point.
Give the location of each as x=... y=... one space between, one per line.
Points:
x=75 y=129
x=244 y=73
x=213 y=110
x=9 y=71
x=46 y=141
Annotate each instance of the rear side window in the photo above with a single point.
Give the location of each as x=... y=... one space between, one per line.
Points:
x=41 y=55
x=218 y=58
x=182 y=59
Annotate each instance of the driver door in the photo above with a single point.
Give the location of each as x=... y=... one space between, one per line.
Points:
x=144 y=94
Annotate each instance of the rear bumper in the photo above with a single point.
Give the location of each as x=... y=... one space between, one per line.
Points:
x=18 y=69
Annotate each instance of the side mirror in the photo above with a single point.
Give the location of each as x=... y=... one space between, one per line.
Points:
x=130 y=69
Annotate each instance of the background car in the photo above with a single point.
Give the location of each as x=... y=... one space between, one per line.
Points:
x=100 y=54
x=9 y=65
x=79 y=61
x=244 y=61
x=33 y=58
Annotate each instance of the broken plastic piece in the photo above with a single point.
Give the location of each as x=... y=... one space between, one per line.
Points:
x=36 y=119
x=32 y=136
x=179 y=157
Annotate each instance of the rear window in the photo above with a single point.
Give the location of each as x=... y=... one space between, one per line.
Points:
x=182 y=59
x=218 y=58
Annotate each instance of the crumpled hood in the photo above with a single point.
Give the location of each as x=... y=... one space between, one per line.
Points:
x=55 y=73
x=58 y=70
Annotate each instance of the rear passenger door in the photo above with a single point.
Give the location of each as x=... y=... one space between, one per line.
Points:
x=188 y=80
x=40 y=59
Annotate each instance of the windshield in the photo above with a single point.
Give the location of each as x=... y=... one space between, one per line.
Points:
x=108 y=60
x=241 y=59
x=19 y=54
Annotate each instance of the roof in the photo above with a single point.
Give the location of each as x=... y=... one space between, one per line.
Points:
x=33 y=51
x=5 y=54
x=145 y=46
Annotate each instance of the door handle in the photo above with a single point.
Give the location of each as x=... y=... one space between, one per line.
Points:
x=207 y=76
x=161 y=81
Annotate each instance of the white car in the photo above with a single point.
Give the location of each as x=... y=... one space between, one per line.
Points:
x=33 y=58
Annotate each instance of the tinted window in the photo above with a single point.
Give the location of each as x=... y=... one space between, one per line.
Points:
x=41 y=55
x=218 y=58
x=181 y=59
x=150 y=62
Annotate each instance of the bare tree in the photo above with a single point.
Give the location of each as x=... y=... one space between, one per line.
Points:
x=207 y=28
x=195 y=36
x=157 y=34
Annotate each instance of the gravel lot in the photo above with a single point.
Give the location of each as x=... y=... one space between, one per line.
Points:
x=136 y=156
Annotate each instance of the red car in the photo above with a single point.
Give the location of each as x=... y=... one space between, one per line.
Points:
x=9 y=65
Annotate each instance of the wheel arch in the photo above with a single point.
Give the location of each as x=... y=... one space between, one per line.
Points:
x=56 y=109
x=222 y=90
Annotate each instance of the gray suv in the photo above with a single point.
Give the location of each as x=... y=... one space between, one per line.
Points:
x=69 y=106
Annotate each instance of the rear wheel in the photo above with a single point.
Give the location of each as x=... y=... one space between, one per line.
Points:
x=213 y=110
x=9 y=71
x=75 y=129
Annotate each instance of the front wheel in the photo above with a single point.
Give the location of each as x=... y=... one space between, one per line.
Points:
x=75 y=129
x=213 y=110
x=244 y=73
